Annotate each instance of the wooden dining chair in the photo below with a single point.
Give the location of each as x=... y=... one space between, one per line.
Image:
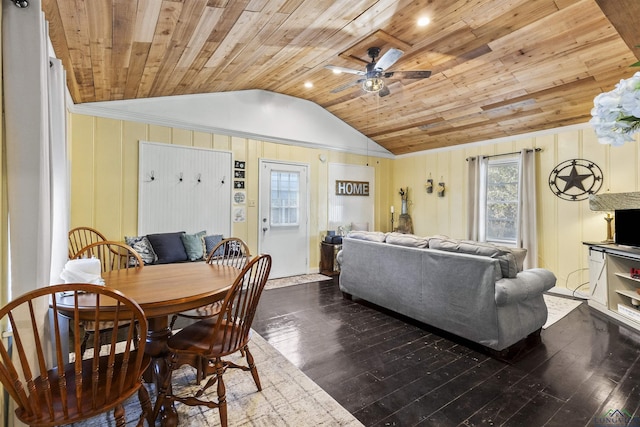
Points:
x=212 y=339
x=80 y=237
x=232 y=252
x=112 y=256
x=51 y=387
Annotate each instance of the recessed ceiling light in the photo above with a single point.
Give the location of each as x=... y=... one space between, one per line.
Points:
x=308 y=85
x=424 y=21
x=336 y=71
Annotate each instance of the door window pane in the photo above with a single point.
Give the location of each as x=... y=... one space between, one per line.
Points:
x=285 y=198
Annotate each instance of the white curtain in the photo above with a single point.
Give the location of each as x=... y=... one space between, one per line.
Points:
x=36 y=155
x=476 y=172
x=37 y=177
x=527 y=234
x=60 y=176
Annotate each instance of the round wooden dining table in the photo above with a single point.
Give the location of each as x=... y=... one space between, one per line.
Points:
x=162 y=290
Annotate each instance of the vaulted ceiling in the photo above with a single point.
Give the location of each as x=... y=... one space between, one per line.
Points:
x=499 y=67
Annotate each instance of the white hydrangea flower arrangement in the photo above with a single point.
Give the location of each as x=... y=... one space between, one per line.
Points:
x=616 y=114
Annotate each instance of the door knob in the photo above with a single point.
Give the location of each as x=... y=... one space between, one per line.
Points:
x=264 y=229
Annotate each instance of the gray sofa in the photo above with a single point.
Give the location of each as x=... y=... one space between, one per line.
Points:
x=467 y=294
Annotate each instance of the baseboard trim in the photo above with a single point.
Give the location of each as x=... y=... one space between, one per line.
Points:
x=568 y=292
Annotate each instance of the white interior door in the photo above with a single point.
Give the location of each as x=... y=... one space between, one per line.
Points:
x=284 y=219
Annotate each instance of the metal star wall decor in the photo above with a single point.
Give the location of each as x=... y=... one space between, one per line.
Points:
x=575 y=179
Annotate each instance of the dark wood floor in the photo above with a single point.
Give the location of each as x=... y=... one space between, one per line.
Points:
x=389 y=371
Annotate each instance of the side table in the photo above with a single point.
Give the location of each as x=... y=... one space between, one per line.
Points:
x=328 y=264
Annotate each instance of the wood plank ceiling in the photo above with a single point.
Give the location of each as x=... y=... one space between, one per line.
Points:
x=500 y=67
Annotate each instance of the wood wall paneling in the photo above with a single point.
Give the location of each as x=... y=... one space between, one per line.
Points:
x=108 y=176
x=103 y=166
x=191 y=191
x=82 y=157
x=132 y=132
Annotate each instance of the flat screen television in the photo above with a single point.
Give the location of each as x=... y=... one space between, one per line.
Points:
x=627 y=227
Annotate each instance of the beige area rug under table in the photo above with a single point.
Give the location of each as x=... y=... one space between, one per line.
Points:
x=288 y=397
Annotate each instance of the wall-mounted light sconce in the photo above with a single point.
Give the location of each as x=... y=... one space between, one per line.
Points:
x=441 y=188
x=429 y=185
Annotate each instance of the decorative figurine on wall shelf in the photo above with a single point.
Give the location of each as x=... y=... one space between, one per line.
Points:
x=405 y=224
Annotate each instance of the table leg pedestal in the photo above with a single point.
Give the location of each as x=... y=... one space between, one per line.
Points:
x=156 y=347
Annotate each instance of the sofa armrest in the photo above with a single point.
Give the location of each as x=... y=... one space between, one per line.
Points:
x=527 y=284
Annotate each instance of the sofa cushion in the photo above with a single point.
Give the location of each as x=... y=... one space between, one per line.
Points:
x=410 y=240
x=193 y=245
x=142 y=245
x=372 y=236
x=168 y=247
x=504 y=255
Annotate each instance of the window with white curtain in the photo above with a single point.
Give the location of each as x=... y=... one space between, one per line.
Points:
x=500 y=201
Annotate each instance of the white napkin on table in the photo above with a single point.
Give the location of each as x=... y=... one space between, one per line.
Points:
x=83 y=270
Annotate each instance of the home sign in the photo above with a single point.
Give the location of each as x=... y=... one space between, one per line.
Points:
x=352 y=188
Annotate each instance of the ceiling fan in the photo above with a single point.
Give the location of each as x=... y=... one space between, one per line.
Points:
x=373 y=77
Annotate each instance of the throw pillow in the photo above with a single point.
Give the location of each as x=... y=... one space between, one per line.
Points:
x=193 y=245
x=168 y=247
x=233 y=248
x=142 y=245
x=504 y=256
x=520 y=254
x=210 y=242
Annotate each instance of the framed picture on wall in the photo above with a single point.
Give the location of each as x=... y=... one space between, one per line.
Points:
x=239 y=197
x=238 y=164
x=238 y=184
x=239 y=215
x=238 y=174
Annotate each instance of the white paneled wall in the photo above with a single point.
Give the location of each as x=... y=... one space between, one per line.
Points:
x=183 y=189
x=344 y=210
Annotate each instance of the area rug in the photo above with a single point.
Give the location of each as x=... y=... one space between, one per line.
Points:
x=558 y=307
x=288 y=397
x=295 y=280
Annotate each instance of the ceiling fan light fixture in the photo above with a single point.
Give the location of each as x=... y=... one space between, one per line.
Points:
x=373 y=84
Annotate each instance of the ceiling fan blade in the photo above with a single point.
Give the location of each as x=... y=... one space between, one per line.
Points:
x=345 y=70
x=384 y=91
x=418 y=74
x=389 y=58
x=347 y=86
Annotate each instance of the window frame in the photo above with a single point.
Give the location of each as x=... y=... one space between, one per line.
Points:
x=284 y=210
x=485 y=202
